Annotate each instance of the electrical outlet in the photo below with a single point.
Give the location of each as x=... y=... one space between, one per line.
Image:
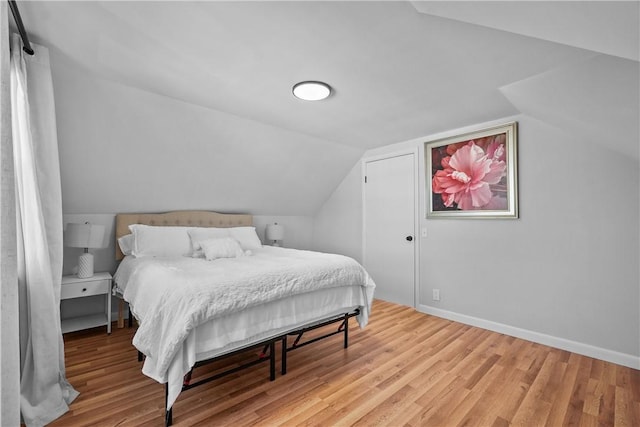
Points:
x=436 y=294
x=423 y=232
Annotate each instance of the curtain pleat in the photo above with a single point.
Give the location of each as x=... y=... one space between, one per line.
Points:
x=9 y=314
x=45 y=392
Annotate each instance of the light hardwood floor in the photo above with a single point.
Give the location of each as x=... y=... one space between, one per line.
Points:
x=404 y=369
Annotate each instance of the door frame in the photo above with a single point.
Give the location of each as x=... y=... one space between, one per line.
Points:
x=416 y=214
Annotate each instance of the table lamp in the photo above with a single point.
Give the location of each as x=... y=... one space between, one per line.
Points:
x=84 y=236
x=275 y=233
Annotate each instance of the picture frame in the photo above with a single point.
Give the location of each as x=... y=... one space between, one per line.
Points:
x=473 y=175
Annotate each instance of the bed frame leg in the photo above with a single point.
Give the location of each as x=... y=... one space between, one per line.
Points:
x=168 y=415
x=130 y=319
x=346 y=330
x=263 y=353
x=272 y=361
x=284 y=355
x=187 y=378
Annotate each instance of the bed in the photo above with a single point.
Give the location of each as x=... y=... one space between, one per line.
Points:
x=192 y=310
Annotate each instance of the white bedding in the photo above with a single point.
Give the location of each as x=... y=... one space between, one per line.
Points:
x=192 y=309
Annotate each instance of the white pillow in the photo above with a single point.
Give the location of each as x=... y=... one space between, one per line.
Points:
x=197 y=235
x=247 y=237
x=226 y=247
x=152 y=240
x=126 y=244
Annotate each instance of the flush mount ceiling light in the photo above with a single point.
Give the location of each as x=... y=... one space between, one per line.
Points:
x=311 y=91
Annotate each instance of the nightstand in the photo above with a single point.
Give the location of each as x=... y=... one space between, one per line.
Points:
x=74 y=287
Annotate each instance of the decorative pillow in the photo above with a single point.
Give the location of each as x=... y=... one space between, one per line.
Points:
x=226 y=247
x=126 y=244
x=152 y=240
x=197 y=235
x=247 y=237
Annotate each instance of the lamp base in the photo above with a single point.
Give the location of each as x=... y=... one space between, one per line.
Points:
x=85 y=265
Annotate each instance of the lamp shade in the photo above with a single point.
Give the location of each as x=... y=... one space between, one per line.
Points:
x=84 y=235
x=275 y=232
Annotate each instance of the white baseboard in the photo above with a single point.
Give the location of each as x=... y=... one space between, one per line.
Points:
x=618 y=358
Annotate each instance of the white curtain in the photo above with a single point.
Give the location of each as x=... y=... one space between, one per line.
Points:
x=44 y=391
x=9 y=340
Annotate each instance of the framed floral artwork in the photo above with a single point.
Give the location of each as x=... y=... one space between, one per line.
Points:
x=473 y=175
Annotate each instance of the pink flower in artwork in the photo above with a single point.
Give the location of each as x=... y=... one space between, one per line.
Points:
x=496 y=203
x=467 y=175
x=496 y=148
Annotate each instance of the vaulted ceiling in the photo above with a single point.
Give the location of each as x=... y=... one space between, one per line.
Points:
x=399 y=70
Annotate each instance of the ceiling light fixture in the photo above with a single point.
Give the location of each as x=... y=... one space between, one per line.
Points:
x=311 y=90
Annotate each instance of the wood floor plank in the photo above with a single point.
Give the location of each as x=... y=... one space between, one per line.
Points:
x=462 y=414
x=607 y=407
x=533 y=408
x=405 y=369
x=390 y=407
x=498 y=406
x=626 y=414
x=576 y=403
x=440 y=400
x=563 y=395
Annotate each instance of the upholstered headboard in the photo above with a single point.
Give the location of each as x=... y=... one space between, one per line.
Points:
x=182 y=218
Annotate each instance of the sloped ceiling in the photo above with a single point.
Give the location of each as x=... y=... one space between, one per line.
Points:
x=609 y=27
x=399 y=70
x=597 y=98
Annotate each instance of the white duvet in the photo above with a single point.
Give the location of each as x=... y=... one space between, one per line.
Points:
x=171 y=297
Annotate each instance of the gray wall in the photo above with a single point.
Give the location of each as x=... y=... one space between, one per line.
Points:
x=127 y=150
x=337 y=227
x=566 y=272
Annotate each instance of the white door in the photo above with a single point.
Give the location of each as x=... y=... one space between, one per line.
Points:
x=389 y=222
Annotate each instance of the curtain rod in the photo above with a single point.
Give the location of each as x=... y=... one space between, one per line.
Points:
x=23 y=34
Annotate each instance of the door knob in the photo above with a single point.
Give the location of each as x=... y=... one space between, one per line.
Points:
x=409 y=238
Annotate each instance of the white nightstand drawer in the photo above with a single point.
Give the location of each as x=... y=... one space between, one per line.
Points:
x=84 y=289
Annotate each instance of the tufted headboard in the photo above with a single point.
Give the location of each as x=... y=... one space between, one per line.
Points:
x=182 y=218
